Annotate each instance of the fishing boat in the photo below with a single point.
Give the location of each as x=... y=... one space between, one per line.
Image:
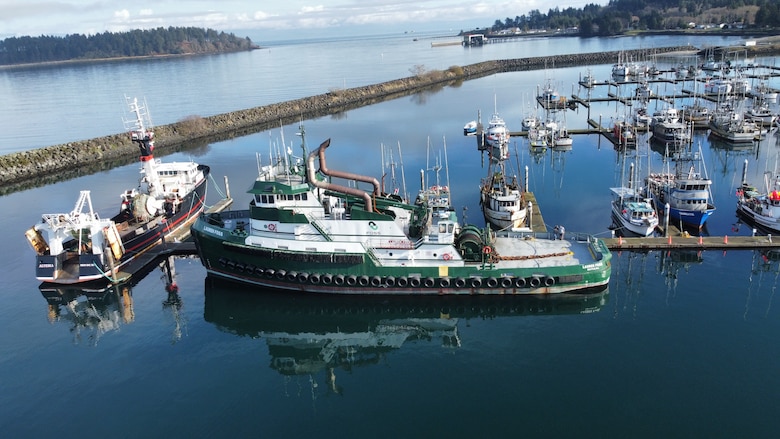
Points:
x=537 y=137
x=718 y=85
x=631 y=210
x=304 y=233
x=470 y=128
x=687 y=190
x=697 y=115
x=550 y=99
x=502 y=198
x=78 y=246
x=643 y=91
x=530 y=121
x=729 y=124
x=761 y=206
x=667 y=126
x=558 y=136
x=625 y=134
x=761 y=114
x=764 y=92
x=497 y=136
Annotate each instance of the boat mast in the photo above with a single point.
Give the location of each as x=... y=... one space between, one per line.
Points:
x=140 y=129
x=446 y=164
x=403 y=176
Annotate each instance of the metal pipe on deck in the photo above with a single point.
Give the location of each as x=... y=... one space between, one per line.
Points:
x=311 y=174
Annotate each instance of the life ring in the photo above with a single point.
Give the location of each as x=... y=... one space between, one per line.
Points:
x=272 y=227
x=487 y=250
x=446 y=256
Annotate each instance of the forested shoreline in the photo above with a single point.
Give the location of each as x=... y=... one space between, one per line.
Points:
x=109 y=45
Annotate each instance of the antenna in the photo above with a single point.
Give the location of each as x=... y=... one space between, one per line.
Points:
x=403 y=176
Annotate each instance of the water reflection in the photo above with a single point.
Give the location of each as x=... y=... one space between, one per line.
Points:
x=311 y=334
x=764 y=275
x=629 y=269
x=90 y=313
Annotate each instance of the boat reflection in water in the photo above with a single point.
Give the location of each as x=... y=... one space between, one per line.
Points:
x=307 y=334
x=90 y=312
x=762 y=283
x=93 y=312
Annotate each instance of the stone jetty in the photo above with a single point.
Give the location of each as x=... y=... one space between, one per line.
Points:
x=55 y=163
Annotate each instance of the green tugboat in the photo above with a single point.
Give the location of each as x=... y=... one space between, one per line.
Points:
x=302 y=232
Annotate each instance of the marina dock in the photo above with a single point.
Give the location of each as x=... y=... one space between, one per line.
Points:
x=174 y=244
x=693 y=243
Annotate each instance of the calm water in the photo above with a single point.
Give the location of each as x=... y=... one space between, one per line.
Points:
x=681 y=345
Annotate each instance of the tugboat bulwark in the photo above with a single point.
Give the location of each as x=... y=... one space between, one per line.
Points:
x=304 y=233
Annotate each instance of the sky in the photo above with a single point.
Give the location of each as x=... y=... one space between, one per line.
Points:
x=266 y=19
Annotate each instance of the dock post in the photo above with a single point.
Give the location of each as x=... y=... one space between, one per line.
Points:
x=666 y=218
x=530 y=215
x=526 y=178
x=227 y=187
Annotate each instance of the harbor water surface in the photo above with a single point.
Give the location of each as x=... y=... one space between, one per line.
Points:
x=680 y=345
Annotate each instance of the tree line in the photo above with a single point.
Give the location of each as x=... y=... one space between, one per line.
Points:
x=620 y=15
x=159 y=41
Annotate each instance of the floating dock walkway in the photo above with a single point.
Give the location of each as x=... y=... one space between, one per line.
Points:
x=693 y=243
x=174 y=244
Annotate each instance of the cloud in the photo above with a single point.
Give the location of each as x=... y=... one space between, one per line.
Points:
x=310 y=9
x=123 y=15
